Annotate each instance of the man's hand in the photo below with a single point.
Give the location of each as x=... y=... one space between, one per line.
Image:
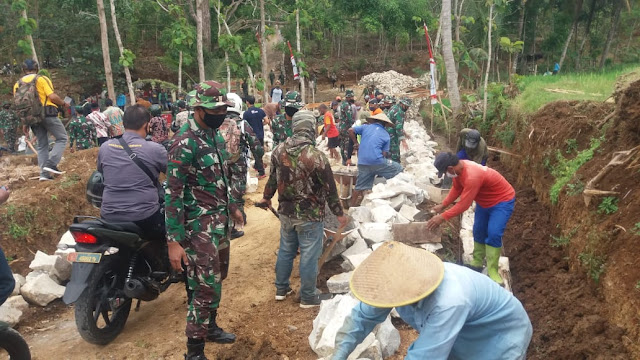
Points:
x=437 y=209
x=177 y=256
x=264 y=204
x=343 y=220
x=435 y=222
x=4 y=194
x=405 y=147
x=25 y=130
x=237 y=217
x=73 y=150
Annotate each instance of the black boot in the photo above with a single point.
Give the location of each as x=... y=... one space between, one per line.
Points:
x=216 y=334
x=195 y=350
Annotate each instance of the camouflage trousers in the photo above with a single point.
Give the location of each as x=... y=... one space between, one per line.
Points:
x=346 y=146
x=239 y=183
x=203 y=280
x=394 y=149
x=10 y=137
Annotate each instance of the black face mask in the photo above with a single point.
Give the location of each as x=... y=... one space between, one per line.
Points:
x=351 y=101
x=290 y=111
x=372 y=108
x=214 y=120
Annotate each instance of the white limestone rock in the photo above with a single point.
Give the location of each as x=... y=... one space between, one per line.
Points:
x=67 y=241
x=346 y=265
x=369 y=348
x=12 y=310
x=20 y=280
x=357 y=259
x=408 y=211
x=329 y=320
x=431 y=247
x=339 y=284
x=389 y=338
x=360 y=214
x=398 y=201
x=358 y=247
x=52 y=264
x=376 y=232
x=383 y=214
x=41 y=290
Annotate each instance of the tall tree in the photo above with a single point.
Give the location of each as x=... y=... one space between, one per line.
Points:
x=617 y=9
x=449 y=61
x=263 y=51
x=199 y=45
x=126 y=56
x=27 y=26
x=108 y=73
x=486 y=77
x=302 y=87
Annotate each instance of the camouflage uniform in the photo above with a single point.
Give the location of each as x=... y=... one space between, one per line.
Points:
x=281 y=128
x=346 y=121
x=396 y=132
x=82 y=132
x=9 y=124
x=198 y=207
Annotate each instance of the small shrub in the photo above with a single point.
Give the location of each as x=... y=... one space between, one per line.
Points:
x=565 y=169
x=575 y=188
x=572 y=145
x=638 y=285
x=608 y=205
x=636 y=229
x=595 y=265
x=563 y=240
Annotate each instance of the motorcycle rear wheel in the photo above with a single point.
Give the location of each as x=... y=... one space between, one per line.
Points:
x=96 y=320
x=14 y=344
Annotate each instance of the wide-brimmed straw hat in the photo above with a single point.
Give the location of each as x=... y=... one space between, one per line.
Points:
x=381 y=117
x=396 y=275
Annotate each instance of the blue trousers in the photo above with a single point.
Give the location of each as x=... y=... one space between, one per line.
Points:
x=489 y=223
x=7 y=283
x=307 y=236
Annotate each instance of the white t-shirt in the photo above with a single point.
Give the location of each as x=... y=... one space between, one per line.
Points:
x=276 y=95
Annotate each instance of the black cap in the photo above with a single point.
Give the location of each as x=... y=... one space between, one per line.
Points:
x=444 y=160
x=30 y=65
x=373 y=101
x=472 y=139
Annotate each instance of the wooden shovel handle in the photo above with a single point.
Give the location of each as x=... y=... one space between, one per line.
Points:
x=337 y=237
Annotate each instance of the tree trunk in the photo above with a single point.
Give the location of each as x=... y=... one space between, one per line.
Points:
x=566 y=46
x=486 y=77
x=612 y=32
x=108 y=74
x=206 y=25
x=586 y=33
x=302 y=87
x=127 y=73
x=263 y=52
x=514 y=65
x=199 y=45
x=34 y=55
x=449 y=61
x=226 y=60
x=179 y=73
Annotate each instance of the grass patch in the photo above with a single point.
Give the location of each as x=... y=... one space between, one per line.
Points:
x=608 y=205
x=595 y=86
x=595 y=265
x=565 y=169
x=563 y=240
x=636 y=228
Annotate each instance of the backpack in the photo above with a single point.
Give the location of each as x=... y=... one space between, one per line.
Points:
x=232 y=136
x=27 y=102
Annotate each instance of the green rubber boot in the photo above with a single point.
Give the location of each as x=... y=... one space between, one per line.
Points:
x=493 y=258
x=478 y=257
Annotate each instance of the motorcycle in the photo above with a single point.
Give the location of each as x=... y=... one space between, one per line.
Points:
x=112 y=266
x=13 y=343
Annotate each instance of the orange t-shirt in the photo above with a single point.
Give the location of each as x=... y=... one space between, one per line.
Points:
x=376 y=111
x=480 y=183
x=330 y=125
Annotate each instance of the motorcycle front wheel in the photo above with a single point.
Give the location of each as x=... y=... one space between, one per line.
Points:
x=102 y=310
x=13 y=344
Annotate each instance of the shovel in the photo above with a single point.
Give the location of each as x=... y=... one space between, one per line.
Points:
x=339 y=235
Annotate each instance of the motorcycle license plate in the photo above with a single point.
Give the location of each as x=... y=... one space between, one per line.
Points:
x=83 y=257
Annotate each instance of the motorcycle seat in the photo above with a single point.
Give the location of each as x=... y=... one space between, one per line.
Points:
x=124 y=226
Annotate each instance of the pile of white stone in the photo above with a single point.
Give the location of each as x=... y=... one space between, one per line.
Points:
x=393 y=83
x=41 y=286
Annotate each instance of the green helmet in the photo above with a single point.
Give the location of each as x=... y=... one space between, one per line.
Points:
x=387 y=99
x=349 y=93
x=155 y=110
x=209 y=95
x=292 y=99
x=405 y=101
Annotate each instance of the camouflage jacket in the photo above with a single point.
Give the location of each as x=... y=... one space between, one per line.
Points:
x=8 y=119
x=281 y=128
x=303 y=178
x=346 y=117
x=158 y=129
x=397 y=117
x=197 y=196
x=82 y=132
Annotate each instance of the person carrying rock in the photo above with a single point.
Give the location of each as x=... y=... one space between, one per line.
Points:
x=495 y=199
x=303 y=178
x=9 y=123
x=345 y=122
x=372 y=154
x=82 y=132
x=397 y=115
x=458 y=313
x=198 y=214
x=281 y=125
x=471 y=146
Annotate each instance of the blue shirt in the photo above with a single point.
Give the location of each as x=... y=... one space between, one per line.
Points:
x=121 y=100
x=254 y=117
x=467 y=317
x=374 y=141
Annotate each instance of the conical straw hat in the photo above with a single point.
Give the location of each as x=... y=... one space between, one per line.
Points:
x=396 y=275
x=382 y=117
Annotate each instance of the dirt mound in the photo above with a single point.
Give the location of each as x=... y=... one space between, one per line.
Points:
x=628 y=109
x=38 y=213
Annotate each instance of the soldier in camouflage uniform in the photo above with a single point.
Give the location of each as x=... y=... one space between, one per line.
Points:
x=397 y=115
x=233 y=127
x=303 y=178
x=346 y=121
x=199 y=209
x=82 y=132
x=281 y=125
x=9 y=124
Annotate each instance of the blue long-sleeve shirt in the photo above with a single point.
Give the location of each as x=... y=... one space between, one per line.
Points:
x=467 y=317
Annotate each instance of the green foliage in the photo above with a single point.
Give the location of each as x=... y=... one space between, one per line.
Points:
x=19 y=221
x=608 y=205
x=127 y=58
x=575 y=188
x=511 y=47
x=595 y=264
x=636 y=228
x=572 y=145
x=565 y=169
x=563 y=240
